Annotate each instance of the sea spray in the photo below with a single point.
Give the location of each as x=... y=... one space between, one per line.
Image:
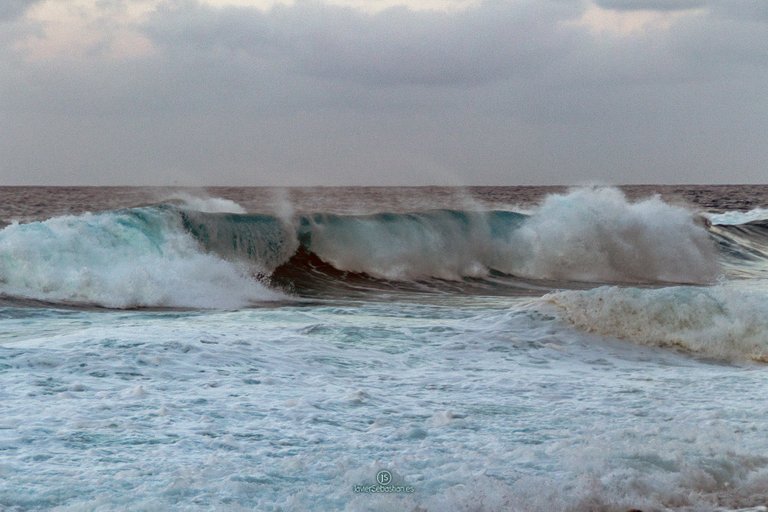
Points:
x=597 y=235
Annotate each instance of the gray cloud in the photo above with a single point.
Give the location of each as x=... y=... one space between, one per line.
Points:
x=745 y=10
x=654 y=5
x=11 y=9
x=508 y=92
x=396 y=46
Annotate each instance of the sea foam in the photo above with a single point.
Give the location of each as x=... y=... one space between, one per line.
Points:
x=725 y=321
x=136 y=258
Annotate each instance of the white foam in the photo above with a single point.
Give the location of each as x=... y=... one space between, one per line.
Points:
x=206 y=204
x=722 y=321
x=596 y=234
x=734 y=218
x=116 y=260
x=259 y=410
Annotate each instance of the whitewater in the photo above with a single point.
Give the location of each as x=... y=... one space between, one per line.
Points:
x=384 y=349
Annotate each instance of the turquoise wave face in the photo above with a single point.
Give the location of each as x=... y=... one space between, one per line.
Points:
x=444 y=244
x=395 y=242
x=262 y=240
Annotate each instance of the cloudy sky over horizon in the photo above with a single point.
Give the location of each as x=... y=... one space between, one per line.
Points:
x=383 y=92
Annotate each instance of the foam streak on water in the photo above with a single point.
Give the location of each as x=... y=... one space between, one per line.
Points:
x=292 y=407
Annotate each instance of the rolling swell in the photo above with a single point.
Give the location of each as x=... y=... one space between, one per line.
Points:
x=748 y=241
x=722 y=321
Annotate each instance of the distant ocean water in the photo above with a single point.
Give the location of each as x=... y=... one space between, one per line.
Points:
x=384 y=349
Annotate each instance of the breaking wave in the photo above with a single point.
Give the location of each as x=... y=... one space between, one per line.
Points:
x=135 y=258
x=210 y=254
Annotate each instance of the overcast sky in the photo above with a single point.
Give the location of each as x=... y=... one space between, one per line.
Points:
x=383 y=92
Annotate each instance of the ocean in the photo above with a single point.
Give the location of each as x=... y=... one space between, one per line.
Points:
x=384 y=349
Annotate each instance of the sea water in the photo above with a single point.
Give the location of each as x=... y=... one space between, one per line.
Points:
x=426 y=349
